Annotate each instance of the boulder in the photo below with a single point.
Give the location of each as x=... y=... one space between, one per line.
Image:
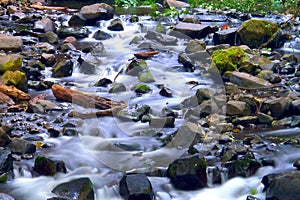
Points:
x=228 y=59
x=194 y=46
x=63 y=32
x=136 y=187
x=46 y=167
x=162 y=122
x=194 y=60
x=237 y=108
x=264 y=118
x=62 y=68
x=104 y=82
x=194 y=31
x=10 y=43
x=225 y=36
x=244 y=167
x=141 y=88
x=116 y=25
x=77 y=21
x=255 y=32
x=10 y=62
x=4 y=138
x=188 y=173
x=134 y=113
x=101 y=35
x=49 y=37
x=21 y=146
x=146 y=77
x=44 y=25
x=95 y=12
x=161 y=38
x=245 y=120
x=282 y=186
x=136 y=66
x=48 y=59
x=6 y=165
x=117 y=87
x=248 y=81
x=80 y=189
x=166 y=92
x=16 y=78
x=278 y=106
x=203 y=94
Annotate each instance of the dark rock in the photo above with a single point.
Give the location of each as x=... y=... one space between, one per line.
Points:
x=166 y=92
x=77 y=21
x=44 y=25
x=225 y=36
x=245 y=120
x=278 y=107
x=194 y=46
x=21 y=146
x=49 y=37
x=297 y=164
x=80 y=189
x=4 y=138
x=162 y=122
x=48 y=59
x=6 y=165
x=188 y=173
x=161 y=38
x=134 y=113
x=135 y=67
x=244 y=167
x=203 y=94
x=66 y=47
x=116 y=25
x=46 y=167
x=95 y=12
x=62 y=68
x=136 y=187
x=101 y=35
x=282 y=186
x=237 y=108
x=64 y=32
x=264 y=118
x=195 y=31
x=53 y=132
x=117 y=87
x=103 y=82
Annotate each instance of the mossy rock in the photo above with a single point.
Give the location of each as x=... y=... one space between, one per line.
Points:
x=146 y=77
x=11 y=63
x=141 y=88
x=135 y=67
x=255 y=32
x=117 y=87
x=3 y=177
x=16 y=78
x=62 y=68
x=228 y=59
x=44 y=166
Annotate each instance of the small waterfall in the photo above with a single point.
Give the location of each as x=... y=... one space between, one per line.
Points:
x=224 y=175
x=210 y=171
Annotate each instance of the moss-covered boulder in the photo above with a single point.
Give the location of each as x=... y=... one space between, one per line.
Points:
x=117 y=87
x=135 y=67
x=228 y=59
x=141 y=88
x=45 y=166
x=10 y=62
x=255 y=32
x=62 y=68
x=16 y=78
x=116 y=25
x=146 y=77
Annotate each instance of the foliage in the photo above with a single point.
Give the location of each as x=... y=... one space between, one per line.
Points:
x=133 y=3
x=257 y=6
x=170 y=12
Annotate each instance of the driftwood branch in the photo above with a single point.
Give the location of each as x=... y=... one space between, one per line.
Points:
x=14 y=92
x=106 y=106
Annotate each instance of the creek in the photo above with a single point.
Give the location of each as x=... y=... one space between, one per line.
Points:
x=109 y=146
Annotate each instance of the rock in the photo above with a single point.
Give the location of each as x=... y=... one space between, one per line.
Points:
x=175 y=3
x=46 y=167
x=117 y=87
x=6 y=197
x=21 y=146
x=263 y=63
x=10 y=62
x=44 y=25
x=265 y=74
x=62 y=68
x=116 y=25
x=166 y=92
x=244 y=167
x=103 y=82
x=188 y=173
x=224 y=127
x=77 y=21
x=297 y=164
x=231 y=88
x=291 y=58
x=295 y=106
x=282 y=186
x=48 y=59
x=141 y=88
x=63 y=32
x=278 y=107
x=146 y=77
x=16 y=78
x=255 y=32
x=194 y=31
x=237 y=108
x=134 y=113
x=69 y=39
x=95 y=12
x=248 y=81
x=264 y=118
x=10 y=43
x=136 y=187
x=101 y=35
x=225 y=36
x=162 y=122
x=136 y=40
x=161 y=38
x=228 y=59
x=136 y=66
x=80 y=189
x=203 y=94
x=49 y=37
x=245 y=120
x=6 y=165
x=211 y=49
x=194 y=60
x=194 y=46
x=4 y=138
x=65 y=47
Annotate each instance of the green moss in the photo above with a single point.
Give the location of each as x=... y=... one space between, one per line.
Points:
x=141 y=88
x=3 y=178
x=228 y=59
x=254 y=32
x=146 y=77
x=16 y=78
x=11 y=65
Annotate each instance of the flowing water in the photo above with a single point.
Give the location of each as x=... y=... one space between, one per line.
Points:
x=109 y=146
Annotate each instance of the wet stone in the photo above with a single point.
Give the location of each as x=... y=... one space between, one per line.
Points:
x=117 y=87
x=162 y=122
x=62 y=68
x=226 y=36
x=116 y=25
x=166 y=92
x=21 y=146
x=195 y=31
x=6 y=164
x=243 y=167
x=45 y=166
x=136 y=187
x=101 y=35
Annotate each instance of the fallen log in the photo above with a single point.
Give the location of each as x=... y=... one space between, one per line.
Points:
x=145 y=54
x=41 y=7
x=86 y=100
x=14 y=92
